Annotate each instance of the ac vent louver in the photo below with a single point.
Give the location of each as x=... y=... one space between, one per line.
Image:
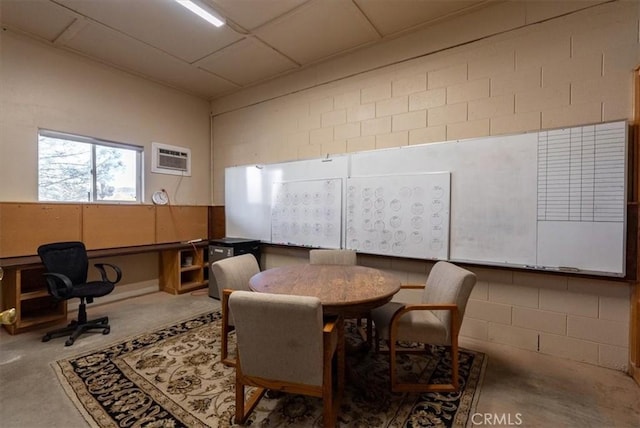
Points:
x=171 y=160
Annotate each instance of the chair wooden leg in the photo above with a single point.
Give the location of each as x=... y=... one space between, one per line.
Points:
x=224 y=347
x=397 y=386
x=454 y=364
x=224 y=344
x=369 y=331
x=244 y=409
x=392 y=365
x=328 y=411
x=241 y=416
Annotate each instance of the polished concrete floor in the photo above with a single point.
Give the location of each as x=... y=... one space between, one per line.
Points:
x=520 y=388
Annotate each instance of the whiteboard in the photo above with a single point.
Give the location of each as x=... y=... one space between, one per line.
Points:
x=582 y=198
x=399 y=215
x=501 y=211
x=250 y=192
x=307 y=213
x=493 y=200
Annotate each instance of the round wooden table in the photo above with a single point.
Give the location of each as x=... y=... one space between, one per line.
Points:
x=343 y=290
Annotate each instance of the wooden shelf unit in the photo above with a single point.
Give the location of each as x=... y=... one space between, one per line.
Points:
x=25 y=288
x=177 y=276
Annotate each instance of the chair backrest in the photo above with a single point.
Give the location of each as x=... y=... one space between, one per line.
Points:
x=332 y=257
x=235 y=272
x=448 y=283
x=67 y=258
x=279 y=337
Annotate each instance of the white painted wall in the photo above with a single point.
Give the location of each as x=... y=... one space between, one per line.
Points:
x=44 y=87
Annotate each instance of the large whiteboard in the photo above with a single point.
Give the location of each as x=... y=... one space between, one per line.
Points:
x=307 y=213
x=400 y=215
x=250 y=192
x=496 y=196
x=493 y=200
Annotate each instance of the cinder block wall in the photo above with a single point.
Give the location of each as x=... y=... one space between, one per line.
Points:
x=569 y=70
x=580 y=319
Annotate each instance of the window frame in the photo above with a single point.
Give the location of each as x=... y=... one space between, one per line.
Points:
x=94 y=142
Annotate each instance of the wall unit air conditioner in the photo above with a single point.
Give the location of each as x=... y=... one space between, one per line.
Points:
x=172 y=160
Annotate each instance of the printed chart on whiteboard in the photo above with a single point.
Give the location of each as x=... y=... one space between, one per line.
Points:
x=581 y=197
x=307 y=213
x=402 y=215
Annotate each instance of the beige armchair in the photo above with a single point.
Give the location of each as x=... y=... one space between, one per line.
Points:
x=232 y=274
x=283 y=344
x=435 y=321
x=332 y=257
x=346 y=258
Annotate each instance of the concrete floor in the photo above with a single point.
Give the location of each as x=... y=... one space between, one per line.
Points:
x=520 y=388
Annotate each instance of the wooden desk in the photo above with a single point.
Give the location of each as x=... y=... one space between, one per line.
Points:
x=343 y=290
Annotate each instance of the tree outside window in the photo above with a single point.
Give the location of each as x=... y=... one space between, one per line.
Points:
x=74 y=168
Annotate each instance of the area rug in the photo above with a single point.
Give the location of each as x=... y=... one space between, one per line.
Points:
x=173 y=377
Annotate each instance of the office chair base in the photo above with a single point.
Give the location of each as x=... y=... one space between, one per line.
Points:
x=76 y=329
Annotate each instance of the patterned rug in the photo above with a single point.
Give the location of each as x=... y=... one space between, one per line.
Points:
x=173 y=378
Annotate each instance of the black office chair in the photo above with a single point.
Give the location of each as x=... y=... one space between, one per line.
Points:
x=67 y=265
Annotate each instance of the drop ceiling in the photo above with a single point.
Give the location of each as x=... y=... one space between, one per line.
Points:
x=263 y=39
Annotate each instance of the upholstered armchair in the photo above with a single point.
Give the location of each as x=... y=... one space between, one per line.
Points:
x=434 y=321
x=232 y=274
x=332 y=257
x=346 y=258
x=284 y=344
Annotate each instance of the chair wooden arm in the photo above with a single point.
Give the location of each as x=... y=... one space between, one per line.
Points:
x=333 y=345
x=225 y=305
x=397 y=386
x=331 y=332
x=224 y=349
x=412 y=286
x=430 y=307
x=425 y=307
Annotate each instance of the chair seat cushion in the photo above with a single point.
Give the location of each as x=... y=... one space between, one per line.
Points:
x=92 y=289
x=415 y=326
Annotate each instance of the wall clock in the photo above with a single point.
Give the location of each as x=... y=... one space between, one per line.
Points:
x=160 y=197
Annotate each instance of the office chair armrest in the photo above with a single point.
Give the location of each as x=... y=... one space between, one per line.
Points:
x=103 y=272
x=60 y=285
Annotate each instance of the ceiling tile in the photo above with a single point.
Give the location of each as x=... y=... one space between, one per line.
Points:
x=43 y=19
x=163 y=24
x=231 y=62
x=390 y=17
x=252 y=14
x=162 y=41
x=317 y=30
x=114 y=48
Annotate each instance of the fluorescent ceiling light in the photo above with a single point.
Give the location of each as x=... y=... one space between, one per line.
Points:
x=207 y=15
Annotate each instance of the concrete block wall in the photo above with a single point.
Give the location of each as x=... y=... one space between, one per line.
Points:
x=569 y=70
x=580 y=319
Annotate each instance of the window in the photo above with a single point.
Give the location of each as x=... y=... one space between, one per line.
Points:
x=74 y=168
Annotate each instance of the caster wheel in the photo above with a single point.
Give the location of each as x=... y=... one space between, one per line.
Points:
x=46 y=338
x=69 y=342
x=106 y=330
